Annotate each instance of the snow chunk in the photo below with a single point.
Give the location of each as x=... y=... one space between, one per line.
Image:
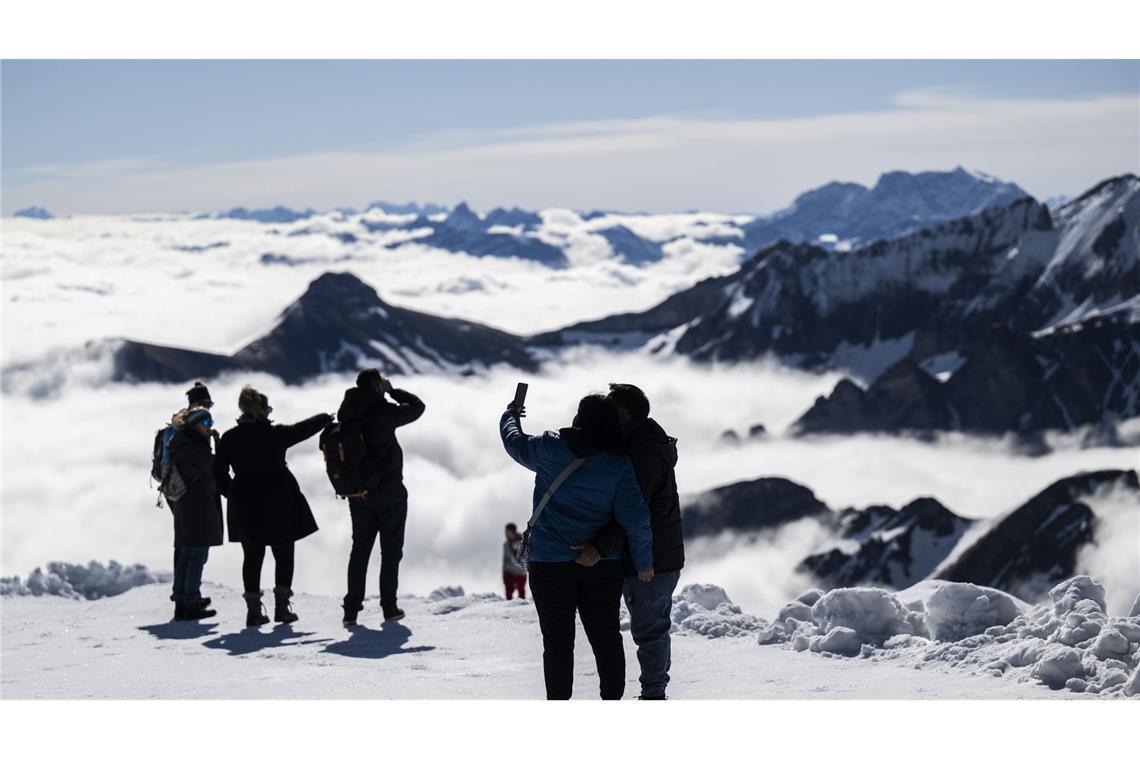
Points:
x=445 y=592
x=707 y=611
x=839 y=640
x=90 y=581
x=706 y=595
x=1079 y=594
x=957 y=610
x=872 y=613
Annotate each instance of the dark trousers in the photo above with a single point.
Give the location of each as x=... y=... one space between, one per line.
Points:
x=370 y=520
x=253 y=556
x=561 y=589
x=188 y=565
x=515 y=583
x=650 y=618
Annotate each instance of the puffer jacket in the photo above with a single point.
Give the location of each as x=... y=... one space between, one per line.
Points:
x=654 y=457
x=604 y=488
x=378 y=419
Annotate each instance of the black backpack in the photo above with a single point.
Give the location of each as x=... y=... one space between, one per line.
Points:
x=170 y=483
x=346 y=459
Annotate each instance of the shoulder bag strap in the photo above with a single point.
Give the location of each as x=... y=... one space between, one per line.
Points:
x=570 y=468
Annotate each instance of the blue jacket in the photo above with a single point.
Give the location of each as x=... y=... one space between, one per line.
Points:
x=603 y=488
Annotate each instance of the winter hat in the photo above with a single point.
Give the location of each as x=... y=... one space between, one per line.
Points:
x=194 y=416
x=199 y=395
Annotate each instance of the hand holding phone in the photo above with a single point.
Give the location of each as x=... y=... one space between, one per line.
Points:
x=519 y=402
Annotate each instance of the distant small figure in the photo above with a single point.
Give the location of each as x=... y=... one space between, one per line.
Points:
x=514 y=577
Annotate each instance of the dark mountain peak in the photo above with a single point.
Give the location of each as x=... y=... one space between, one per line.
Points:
x=1040 y=539
x=343 y=290
x=512 y=217
x=463 y=216
x=750 y=506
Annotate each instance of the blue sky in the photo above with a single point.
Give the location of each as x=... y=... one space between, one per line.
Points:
x=115 y=136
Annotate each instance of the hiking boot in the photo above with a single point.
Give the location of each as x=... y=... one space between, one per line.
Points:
x=350 y=612
x=392 y=614
x=255 y=610
x=281 y=609
x=644 y=698
x=192 y=612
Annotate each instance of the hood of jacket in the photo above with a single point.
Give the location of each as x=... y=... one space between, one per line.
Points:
x=649 y=435
x=357 y=402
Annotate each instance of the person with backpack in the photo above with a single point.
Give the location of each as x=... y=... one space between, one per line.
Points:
x=514 y=577
x=170 y=483
x=582 y=481
x=197 y=510
x=654 y=457
x=380 y=505
x=264 y=504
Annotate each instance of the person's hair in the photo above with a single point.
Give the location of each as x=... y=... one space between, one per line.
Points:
x=512 y=528
x=631 y=398
x=597 y=421
x=253 y=403
x=367 y=378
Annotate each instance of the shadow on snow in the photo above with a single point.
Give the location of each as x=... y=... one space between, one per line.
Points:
x=250 y=640
x=179 y=630
x=374 y=644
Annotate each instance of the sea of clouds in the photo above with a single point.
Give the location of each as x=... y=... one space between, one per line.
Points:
x=75 y=455
x=76 y=466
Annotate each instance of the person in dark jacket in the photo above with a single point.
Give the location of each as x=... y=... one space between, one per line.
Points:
x=264 y=504
x=603 y=488
x=650 y=605
x=198 y=397
x=514 y=577
x=197 y=515
x=383 y=510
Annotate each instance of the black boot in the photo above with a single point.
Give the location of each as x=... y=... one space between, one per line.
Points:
x=350 y=611
x=392 y=614
x=281 y=611
x=255 y=610
x=192 y=611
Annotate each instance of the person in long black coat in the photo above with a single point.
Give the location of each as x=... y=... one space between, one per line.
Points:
x=197 y=515
x=264 y=504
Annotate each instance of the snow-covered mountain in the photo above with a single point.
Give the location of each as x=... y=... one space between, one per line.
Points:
x=900 y=202
x=1053 y=301
x=339 y=324
x=1024 y=551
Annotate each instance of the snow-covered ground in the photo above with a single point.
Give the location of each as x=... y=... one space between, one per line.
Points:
x=449 y=647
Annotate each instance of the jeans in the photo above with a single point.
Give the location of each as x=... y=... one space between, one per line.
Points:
x=650 y=618
x=369 y=521
x=253 y=556
x=561 y=589
x=188 y=566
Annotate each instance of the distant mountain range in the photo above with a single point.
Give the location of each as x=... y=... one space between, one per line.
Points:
x=1033 y=545
x=1014 y=319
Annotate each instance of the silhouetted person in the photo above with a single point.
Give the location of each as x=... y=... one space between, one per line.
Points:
x=514 y=577
x=603 y=488
x=198 y=397
x=384 y=510
x=654 y=457
x=197 y=514
x=264 y=504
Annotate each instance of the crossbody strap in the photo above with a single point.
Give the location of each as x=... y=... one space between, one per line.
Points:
x=569 y=469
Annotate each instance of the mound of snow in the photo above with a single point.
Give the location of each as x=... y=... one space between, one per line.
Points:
x=90 y=581
x=957 y=610
x=707 y=611
x=1070 y=643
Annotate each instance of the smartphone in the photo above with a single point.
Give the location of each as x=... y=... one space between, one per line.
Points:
x=520 y=394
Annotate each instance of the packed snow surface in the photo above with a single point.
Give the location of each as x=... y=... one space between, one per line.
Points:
x=456 y=645
x=1069 y=644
